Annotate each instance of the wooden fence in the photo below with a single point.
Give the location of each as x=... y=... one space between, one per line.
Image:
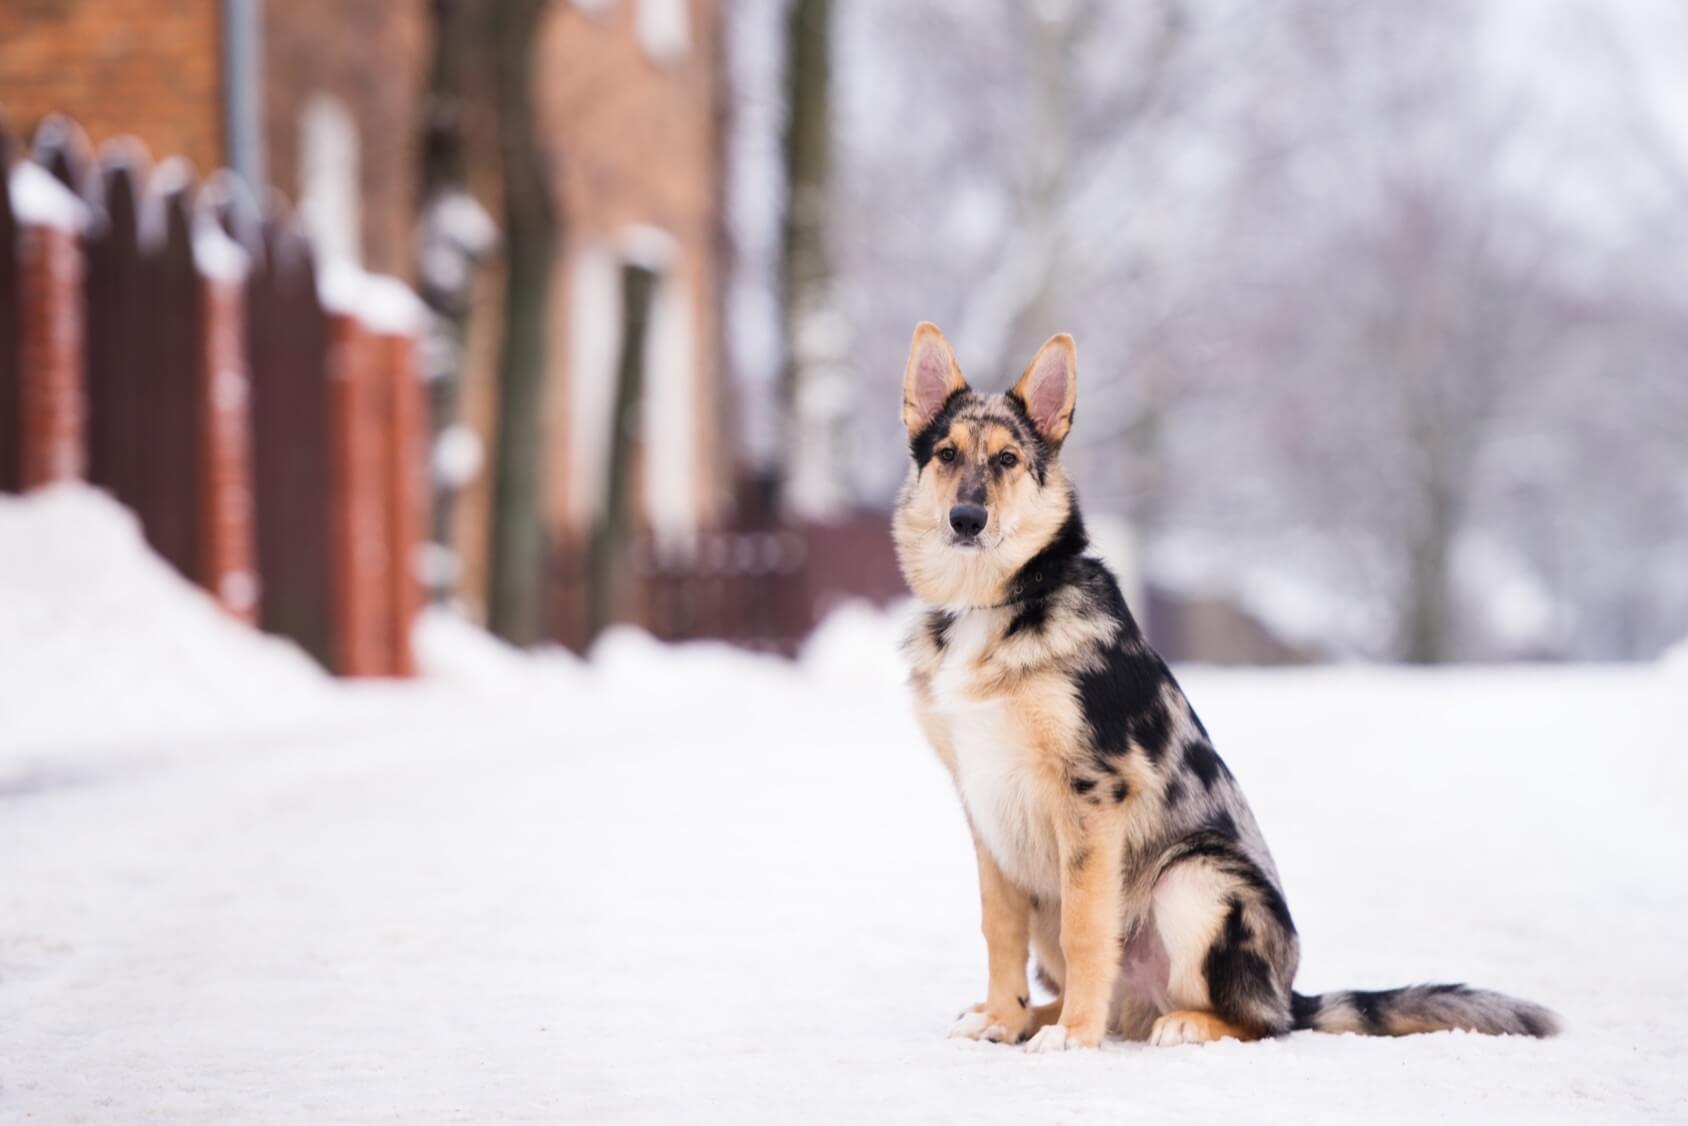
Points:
x=759 y=586
x=173 y=349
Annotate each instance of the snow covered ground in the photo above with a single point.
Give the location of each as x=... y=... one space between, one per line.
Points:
x=695 y=885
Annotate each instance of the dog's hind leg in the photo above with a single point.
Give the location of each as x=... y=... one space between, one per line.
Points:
x=1231 y=951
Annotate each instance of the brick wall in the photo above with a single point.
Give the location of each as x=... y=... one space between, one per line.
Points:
x=372 y=56
x=147 y=67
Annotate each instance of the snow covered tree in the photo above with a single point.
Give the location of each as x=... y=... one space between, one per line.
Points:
x=453 y=234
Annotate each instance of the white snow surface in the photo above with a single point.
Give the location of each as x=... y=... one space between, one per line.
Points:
x=692 y=884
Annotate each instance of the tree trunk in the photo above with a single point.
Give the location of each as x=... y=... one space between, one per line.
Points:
x=1429 y=555
x=811 y=422
x=531 y=229
x=608 y=551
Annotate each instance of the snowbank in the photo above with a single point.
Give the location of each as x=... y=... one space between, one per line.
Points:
x=861 y=645
x=451 y=649
x=105 y=644
x=1675 y=659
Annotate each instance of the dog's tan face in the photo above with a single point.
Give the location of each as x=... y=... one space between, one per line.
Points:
x=985 y=490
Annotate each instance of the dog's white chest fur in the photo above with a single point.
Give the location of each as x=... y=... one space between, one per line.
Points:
x=995 y=768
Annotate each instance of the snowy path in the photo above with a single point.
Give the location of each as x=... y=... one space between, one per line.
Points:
x=704 y=887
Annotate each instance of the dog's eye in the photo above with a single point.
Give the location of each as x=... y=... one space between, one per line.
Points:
x=1007 y=459
x=947 y=454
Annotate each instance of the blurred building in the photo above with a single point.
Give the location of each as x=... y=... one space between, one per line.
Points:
x=325 y=99
x=630 y=100
x=630 y=96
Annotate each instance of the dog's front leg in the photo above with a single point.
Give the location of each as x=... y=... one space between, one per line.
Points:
x=1005 y=918
x=1090 y=933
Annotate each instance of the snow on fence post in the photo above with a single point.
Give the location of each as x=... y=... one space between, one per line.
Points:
x=227 y=540
x=48 y=222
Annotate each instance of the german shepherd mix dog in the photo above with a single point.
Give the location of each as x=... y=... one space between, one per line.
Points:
x=1111 y=838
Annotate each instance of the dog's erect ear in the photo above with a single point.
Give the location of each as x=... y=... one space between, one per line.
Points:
x=1049 y=388
x=931 y=377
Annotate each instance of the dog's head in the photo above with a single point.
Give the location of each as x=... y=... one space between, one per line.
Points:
x=985 y=490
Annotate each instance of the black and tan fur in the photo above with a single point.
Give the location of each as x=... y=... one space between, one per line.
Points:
x=1112 y=840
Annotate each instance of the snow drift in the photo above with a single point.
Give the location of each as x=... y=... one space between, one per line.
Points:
x=105 y=644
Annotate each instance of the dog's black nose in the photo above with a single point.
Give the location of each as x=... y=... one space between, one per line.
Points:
x=968 y=520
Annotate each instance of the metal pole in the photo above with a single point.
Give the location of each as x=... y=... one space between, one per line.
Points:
x=243 y=85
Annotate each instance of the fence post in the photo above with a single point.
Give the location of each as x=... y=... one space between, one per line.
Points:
x=378 y=480
x=227 y=537
x=407 y=489
x=11 y=367
x=359 y=533
x=287 y=357
x=50 y=396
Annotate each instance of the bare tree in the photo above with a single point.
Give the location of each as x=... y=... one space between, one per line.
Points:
x=1076 y=136
x=1343 y=302
x=1012 y=177
x=1419 y=345
x=815 y=383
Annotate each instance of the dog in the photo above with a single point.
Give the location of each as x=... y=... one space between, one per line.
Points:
x=1112 y=840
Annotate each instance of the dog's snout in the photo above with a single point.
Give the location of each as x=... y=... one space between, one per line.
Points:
x=968 y=520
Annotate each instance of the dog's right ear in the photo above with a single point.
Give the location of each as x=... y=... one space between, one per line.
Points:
x=931 y=377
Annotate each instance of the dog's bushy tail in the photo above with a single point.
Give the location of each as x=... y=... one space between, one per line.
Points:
x=1422 y=1008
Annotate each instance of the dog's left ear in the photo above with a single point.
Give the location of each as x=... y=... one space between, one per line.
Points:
x=1048 y=390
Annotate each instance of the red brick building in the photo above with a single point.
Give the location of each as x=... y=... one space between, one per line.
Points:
x=630 y=99
x=151 y=68
x=342 y=96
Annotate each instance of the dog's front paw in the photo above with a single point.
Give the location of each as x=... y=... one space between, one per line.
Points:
x=1058 y=1038
x=977 y=1024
